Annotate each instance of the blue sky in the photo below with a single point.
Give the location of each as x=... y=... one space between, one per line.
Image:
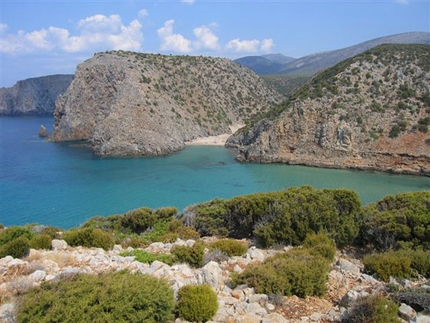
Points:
x=51 y=37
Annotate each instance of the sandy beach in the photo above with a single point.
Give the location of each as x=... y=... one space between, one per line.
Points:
x=214 y=140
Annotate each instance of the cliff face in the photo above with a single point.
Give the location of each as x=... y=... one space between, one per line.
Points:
x=35 y=96
x=368 y=112
x=131 y=104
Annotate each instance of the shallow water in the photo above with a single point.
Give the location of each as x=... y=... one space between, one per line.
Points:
x=64 y=185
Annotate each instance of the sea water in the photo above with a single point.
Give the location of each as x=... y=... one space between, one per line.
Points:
x=64 y=184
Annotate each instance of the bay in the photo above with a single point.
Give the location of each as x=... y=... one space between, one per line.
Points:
x=65 y=184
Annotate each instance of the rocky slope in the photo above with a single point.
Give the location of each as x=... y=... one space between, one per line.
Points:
x=35 y=96
x=369 y=112
x=132 y=104
x=347 y=282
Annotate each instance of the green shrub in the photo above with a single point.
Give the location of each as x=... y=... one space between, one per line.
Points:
x=420 y=261
x=283 y=217
x=89 y=237
x=397 y=219
x=53 y=232
x=138 y=220
x=17 y=248
x=372 y=309
x=113 y=297
x=230 y=247
x=295 y=272
x=197 y=303
x=168 y=237
x=187 y=233
x=190 y=255
x=41 y=241
x=146 y=257
x=320 y=244
x=12 y=233
x=388 y=264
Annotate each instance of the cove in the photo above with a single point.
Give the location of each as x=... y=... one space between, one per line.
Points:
x=65 y=184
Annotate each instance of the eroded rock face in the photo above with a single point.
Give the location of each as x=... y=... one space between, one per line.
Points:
x=370 y=112
x=132 y=104
x=35 y=96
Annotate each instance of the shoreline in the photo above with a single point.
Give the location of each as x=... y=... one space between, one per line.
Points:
x=219 y=140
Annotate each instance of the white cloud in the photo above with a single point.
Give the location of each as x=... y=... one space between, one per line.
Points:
x=143 y=13
x=238 y=45
x=188 y=1
x=267 y=44
x=206 y=38
x=171 y=41
x=3 y=27
x=97 y=32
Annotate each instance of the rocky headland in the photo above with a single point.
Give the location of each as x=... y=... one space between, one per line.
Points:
x=369 y=112
x=35 y=96
x=347 y=282
x=134 y=104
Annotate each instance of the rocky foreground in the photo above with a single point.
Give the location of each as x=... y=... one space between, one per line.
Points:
x=347 y=282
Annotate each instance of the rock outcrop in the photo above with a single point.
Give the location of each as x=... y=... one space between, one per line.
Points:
x=134 y=104
x=368 y=112
x=35 y=96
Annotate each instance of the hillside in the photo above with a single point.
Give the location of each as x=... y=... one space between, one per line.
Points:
x=311 y=64
x=35 y=96
x=133 y=104
x=369 y=112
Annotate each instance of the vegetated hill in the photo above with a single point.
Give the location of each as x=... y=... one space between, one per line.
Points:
x=34 y=96
x=279 y=58
x=371 y=111
x=284 y=84
x=259 y=64
x=133 y=104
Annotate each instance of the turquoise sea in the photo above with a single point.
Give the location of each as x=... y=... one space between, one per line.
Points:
x=64 y=184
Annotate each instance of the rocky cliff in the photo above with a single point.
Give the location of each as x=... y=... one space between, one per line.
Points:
x=132 y=104
x=369 y=112
x=35 y=96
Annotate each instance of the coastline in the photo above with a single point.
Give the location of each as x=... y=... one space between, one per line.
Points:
x=219 y=140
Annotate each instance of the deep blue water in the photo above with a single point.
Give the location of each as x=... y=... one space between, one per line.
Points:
x=64 y=185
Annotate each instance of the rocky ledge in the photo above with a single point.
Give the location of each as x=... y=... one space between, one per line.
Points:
x=347 y=282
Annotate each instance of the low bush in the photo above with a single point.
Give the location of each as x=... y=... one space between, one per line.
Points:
x=41 y=241
x=283 y=217
x=113 y=297
x=17 y=248
x=374 y=309
x=388 y=264
x=89 y=237
x=230 y=247
x=320 y=244
x=187 y=233
x=296 y=272
x=12 y=233
x=214 y=255
x=53 y=232
x=146 y=257
x=393 y=220
x=197 y=303
x=190 y=255
x=138 y=221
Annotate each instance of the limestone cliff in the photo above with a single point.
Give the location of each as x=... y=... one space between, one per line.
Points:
x=132 y=104
x=35 y=96
x=369 y=112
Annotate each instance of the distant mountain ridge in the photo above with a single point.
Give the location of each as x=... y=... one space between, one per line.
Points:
x=311 y=64
x=34 y=96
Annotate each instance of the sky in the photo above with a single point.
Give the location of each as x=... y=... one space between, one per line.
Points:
x=40 y=38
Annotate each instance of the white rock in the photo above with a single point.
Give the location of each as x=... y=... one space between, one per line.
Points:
x=38 y=275
x=348 y=266
x=212 y=275
x=7 y=312
x=406 y=312
x=57 y=244
x=274 y=318
x=256 y=254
